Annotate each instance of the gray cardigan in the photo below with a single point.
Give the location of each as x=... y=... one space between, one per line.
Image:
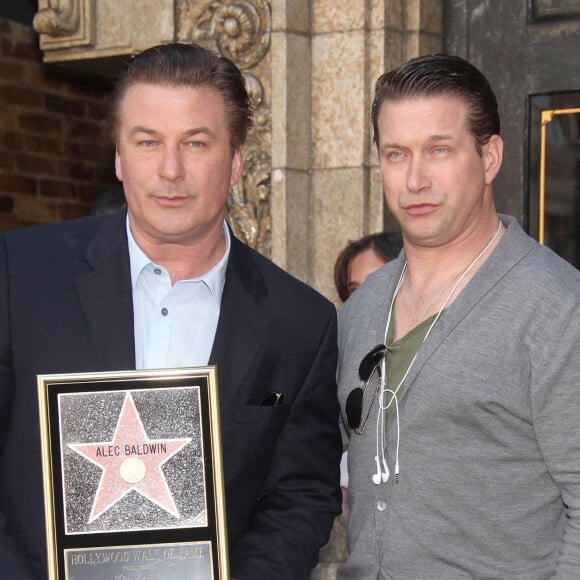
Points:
x=490 y=428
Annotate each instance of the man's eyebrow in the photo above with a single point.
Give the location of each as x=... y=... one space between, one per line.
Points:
x=391 y=144
x=197 y=130
x=189 y=133
x=140 y=129
x=430 y=139
x=442 y=137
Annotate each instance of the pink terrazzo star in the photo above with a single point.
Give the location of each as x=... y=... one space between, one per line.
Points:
x=131 y=461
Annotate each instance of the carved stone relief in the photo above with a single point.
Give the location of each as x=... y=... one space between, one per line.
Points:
x=240 y=30
x=63 y=23
x=249 y=201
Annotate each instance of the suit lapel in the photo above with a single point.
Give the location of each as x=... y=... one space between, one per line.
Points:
x=106 y=295
x=242 y=324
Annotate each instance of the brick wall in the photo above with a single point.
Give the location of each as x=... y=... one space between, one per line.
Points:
x=55 y=154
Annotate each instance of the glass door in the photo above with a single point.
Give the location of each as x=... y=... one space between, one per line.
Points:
x=554 y=173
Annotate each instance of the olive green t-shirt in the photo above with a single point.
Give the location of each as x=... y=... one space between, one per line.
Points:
x=401 y=352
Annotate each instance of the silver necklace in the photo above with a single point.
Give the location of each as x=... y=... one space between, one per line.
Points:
x=423 y=316
x=393 y=392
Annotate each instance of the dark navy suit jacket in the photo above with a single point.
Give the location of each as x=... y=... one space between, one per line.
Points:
x=66 y=306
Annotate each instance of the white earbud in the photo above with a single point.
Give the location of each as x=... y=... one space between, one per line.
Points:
x=377 y=477
x=382 y=475
x=385 y=475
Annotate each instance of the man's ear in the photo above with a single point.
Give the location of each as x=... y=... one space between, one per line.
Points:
x=237 y=167
x=492 y=154
x=118 y=169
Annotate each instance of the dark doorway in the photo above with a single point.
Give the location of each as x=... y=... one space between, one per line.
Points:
x=22 y=11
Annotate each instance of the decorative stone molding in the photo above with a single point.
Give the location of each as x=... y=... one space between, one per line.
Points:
x=543 y=9
x=249 y=211
x=240 y=30
x=63 y=23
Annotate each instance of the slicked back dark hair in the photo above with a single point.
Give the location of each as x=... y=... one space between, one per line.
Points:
x=439 y=75
x=193 y=66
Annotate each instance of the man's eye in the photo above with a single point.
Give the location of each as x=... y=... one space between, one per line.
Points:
x=147 y=143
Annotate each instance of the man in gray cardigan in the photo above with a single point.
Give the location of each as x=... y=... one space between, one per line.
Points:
x=464 y=432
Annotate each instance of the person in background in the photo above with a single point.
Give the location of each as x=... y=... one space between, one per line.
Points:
x=109 y=200
x=361 y=258
x=459 y=362
x=164 y=283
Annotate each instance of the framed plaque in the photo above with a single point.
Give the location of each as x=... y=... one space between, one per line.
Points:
x=133 y=479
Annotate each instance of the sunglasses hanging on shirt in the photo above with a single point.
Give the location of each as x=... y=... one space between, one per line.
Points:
x=366 y=371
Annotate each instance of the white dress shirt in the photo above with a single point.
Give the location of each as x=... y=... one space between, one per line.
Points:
x=174 y=325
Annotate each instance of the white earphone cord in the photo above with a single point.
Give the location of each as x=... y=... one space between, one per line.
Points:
x=384 y=475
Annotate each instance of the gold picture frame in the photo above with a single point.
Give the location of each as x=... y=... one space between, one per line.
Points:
x=133 y=475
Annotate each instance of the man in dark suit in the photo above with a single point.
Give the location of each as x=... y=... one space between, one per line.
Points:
x=139 y=287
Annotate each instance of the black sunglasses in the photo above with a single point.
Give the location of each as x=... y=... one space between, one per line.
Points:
x=354 y=403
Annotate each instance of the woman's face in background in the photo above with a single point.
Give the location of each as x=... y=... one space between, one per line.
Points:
x=362 y=266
